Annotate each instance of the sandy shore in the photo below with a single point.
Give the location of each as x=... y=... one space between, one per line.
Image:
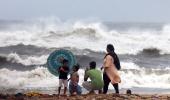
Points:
x=36 y=96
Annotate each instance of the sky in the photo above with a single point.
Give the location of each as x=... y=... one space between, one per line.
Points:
x=106 y=10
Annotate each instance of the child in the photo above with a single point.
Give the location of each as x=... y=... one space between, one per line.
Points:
x=74 y=88
x=63 y=73
x=95 y=76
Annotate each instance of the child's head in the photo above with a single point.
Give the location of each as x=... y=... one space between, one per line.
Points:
x=65 y=62
x=92 y=65
x=76 y=67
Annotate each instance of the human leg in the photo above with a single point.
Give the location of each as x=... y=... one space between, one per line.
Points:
x=100 y=91
x=65 y=86
x=106 y=83
x=87 y=85
x=72 y=88
x=116 y=86
x=79 y=89
x=60 y=84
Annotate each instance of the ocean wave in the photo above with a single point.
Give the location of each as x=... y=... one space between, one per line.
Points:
x=24 y=78
x=52 y=33
x=151 y=52
x=22 y=49
x=25 y=58
x=32 y=60
x=17 y=59
x=41 y=78
x=32 y=50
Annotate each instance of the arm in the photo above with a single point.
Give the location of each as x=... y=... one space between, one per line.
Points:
x=69 y=78
x=86 y=76
x=58 y=69
x=66 y=70
x=101 y=68
x=108 y=61
x=77 y=78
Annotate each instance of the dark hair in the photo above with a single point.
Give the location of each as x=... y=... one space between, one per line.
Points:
x=77 y=66
x=65 y=61
x=92 y=64
x=128 y=92
x=110 y=47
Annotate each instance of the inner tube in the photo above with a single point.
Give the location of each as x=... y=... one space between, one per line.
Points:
x=54 y=60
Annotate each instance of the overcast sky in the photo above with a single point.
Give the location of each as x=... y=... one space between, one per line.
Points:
x=107 y=10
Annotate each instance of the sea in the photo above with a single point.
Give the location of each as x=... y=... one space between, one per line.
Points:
x=143 y=49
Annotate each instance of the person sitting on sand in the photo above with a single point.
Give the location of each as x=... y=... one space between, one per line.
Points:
x=74 y=88
x=63 y=73
x=95 y=76
x=111 y=70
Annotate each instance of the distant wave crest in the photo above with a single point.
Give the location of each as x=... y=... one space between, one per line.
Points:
x=52 y=33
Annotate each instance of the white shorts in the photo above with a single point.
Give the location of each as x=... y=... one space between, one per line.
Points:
x=63 y=81
x=88 y=86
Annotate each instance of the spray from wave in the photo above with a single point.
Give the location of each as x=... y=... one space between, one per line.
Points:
x=85 y=35
x=26 y=45
x=15 y=58
x=40 y=78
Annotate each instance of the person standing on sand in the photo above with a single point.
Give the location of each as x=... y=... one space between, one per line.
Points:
x=63 y=73
x=111 y=66
x=95 y=76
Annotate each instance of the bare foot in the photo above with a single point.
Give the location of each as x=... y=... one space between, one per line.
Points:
x=116 y=94
x=64 y=95
x=74 y=94
x=100 y=91
x=91 y=92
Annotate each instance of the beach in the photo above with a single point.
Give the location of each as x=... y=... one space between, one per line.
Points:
x=144 y=60
x=134 y=95
x=87 y=97
x=41 y=41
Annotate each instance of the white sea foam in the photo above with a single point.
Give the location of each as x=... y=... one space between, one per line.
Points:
x=129 y=65
x=41 y=78
x=31 y=60
x=19 y=80
x=85 y=35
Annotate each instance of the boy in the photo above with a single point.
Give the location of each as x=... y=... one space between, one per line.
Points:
x=74 y=88
x=95 y=76
x=63 y=73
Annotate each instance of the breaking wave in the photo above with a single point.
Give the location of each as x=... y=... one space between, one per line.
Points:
x=40 y=78
x=53 y=33
x=26 y=45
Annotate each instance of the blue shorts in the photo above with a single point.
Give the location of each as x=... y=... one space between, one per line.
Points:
x=74 y=88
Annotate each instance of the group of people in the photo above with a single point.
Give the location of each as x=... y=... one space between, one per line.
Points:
x=111 y=65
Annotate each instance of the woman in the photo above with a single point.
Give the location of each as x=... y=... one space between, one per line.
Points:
x=111 y=70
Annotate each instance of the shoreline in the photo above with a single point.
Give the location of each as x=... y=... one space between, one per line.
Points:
x=37 y=96
x=54 y=90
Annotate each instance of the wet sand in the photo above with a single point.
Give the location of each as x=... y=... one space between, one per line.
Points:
x=37 y=96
